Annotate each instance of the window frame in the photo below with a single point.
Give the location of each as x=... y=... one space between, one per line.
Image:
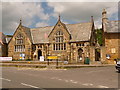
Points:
x=19 y=43
x=59 y=44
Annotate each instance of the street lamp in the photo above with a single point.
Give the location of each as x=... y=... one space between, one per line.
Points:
x=48 y=59
x=29 y=52
x=57 y=59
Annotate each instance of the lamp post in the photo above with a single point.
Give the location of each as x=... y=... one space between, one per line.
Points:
x=29 y=52
x=48 y=59
x=57 y=60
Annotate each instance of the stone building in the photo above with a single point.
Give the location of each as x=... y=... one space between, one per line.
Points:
x=3 y=45
x=111 y=38
x=70 y=42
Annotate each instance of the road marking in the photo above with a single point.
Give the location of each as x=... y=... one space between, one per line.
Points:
x=5 y=79
x=66 y=81
x=95 y=71
x=59 y=79
x=101 y=86
x=52 y=78
x=71 y=80
x=90 y=84
x=29 y=85
x=74 y=82
x=85 y=84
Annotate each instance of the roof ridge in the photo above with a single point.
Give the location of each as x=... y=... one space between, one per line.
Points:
x=41 y=27
x=63 y=23
x=78 y=23
x=25 y=27
x=114 y=20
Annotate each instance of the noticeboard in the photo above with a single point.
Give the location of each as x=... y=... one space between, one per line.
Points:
x=22 y=56
x=41 y=58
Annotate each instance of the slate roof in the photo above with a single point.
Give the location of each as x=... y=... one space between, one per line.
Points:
x=79 y=32
x=28 y=32
x=2 y=38
x=8 y=39
x=112 y=27
x=40 y=35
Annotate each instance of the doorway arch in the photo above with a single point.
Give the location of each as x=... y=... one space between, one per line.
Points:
x=39 y=54
x=80 y=51
x=97 y=54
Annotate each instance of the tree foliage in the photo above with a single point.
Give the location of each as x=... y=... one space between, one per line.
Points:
x=99 y=36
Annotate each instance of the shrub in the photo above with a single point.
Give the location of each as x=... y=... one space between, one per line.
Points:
x=28 y=60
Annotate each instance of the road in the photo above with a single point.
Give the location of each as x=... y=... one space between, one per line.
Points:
x=90 y=77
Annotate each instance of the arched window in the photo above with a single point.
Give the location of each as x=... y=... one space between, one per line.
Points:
x=19 y=43
x=59 y=41
x=80 y=51
x=19 y=39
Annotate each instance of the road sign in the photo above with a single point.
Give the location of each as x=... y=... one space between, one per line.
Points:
x=52 y=57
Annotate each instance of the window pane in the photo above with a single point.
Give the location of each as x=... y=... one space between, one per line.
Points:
x=53 y=46
x=59 y=39
x=56 y=46
x=59 y=46
x=64 y=46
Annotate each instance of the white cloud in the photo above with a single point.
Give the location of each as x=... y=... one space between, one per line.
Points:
x=83 y=0
x=60 y=0
x=12 y=12
x=41 y=24
x=74 y=11
x=82 y=11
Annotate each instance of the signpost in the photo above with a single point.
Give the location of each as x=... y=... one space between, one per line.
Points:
x=41 y=58
x=53 y=57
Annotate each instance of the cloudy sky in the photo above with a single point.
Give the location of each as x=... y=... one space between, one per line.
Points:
x=40 y=14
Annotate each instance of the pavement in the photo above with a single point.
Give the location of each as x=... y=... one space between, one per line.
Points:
x=51 y=64
x=43 y=78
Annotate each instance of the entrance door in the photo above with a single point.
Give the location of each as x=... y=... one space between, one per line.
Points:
x=97 y=55
x=80 y=54
x=39 y=54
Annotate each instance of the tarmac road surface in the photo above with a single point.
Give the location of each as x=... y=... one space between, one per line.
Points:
x=89 y=77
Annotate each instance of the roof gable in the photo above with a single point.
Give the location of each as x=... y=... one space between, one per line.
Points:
x=59 y=24
x=2 y=38
x=25 y=30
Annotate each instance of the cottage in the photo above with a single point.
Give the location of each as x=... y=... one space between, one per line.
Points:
x=111 y=38
x=3 y=45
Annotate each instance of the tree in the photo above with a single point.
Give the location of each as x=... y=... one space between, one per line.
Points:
x=99 y=36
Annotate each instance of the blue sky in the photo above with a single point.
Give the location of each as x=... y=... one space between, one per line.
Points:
x=40 y=14
x=47 y=10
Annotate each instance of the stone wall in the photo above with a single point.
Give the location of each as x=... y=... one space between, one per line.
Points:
x=27 y=43
x=112 y=45
x=3 y=50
